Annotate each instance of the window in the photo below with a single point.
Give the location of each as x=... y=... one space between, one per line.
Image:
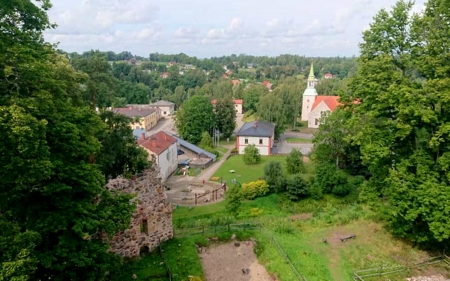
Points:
x=260 y=141
x=246 y=141
x=307 y=100
x=164 y=113
x=316 y=122
x=307 y=107
x=235 y=105
x=144 y=226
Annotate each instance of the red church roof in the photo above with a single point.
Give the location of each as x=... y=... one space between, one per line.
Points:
x=331 y=101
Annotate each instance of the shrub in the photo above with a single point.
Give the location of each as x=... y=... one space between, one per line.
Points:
x=273 y=175
x=315 y=190
x=212 y=150
x=234 y=150
x=294 y=162
x=332 y=180
x=251 y=155
x=248 y=113
x=356 y=181
x=233 y=200
x=254 y=189
x=341 y=186
x=297 y=188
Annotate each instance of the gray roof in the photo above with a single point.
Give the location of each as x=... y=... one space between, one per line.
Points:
x=256 y=129
x=192 y=147
x=134 y=111
x=163 y=103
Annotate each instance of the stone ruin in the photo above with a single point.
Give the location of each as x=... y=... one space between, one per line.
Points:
x=151 y=223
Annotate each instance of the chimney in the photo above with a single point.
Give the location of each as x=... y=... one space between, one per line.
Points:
x=143 y=136
x=255 y=124
x=154 y=142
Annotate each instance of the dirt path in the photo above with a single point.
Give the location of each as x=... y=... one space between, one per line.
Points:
x=226 y=263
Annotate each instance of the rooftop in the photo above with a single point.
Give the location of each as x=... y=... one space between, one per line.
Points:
x=157 y=143
x=331 y=101
x=162 y=103
x=193 y=147
x=257 y=129
x=134 y=111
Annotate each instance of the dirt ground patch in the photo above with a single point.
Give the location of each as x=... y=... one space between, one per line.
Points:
x=302 y=216
x=306 y=159
x=226 y=262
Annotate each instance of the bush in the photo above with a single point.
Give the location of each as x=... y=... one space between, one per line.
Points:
x=251 y=155
x=254 y=189
x=332 y=180
x=356 y=181
x=294 y=162
x=273 y=175
x=212 y=150
x=233 y=200
x=297 y=188
x=234 y=150
x=248 y=113
x=314 y=189
x=341 y=186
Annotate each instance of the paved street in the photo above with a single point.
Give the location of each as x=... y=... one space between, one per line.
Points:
x=166 y=125
x=286 y=148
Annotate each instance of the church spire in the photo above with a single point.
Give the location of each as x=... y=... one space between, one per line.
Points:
x=311 y=73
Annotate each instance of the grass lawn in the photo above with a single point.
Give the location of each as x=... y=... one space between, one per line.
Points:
x=298 y=140
x=185 y=212
x=244 y=173
x=231 y=141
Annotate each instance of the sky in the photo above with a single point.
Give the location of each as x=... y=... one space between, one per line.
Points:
x=206 y=28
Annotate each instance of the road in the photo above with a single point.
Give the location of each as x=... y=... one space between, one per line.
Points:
x=286 y=148
x=167 y=125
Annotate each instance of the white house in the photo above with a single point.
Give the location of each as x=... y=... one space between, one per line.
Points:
x=164 y=147
x=259 y=133
x=167 y=108
x=237 y=105
x=313 y=105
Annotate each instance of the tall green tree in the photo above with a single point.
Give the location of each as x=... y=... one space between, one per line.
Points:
x=270 y=108
x=294 y=162
x=51 y=194
x=273 y=175
x=399 y=92
x=225 y=117
x=194 y=117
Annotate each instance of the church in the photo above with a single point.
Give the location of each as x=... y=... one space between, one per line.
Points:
x=313 y=105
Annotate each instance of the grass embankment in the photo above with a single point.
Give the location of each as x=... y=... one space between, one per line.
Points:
x=298 y=140
x=300 y=229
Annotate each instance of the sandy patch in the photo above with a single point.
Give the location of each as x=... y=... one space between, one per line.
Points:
x=226 y=262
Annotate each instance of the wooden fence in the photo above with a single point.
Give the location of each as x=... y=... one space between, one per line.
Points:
x=366 y=274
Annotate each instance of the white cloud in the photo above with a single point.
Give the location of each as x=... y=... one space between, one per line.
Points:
x=200 y=28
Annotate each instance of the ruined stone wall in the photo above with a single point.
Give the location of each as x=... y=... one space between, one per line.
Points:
x=152 y=221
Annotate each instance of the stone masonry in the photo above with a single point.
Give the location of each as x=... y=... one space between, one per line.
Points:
x=151 y=223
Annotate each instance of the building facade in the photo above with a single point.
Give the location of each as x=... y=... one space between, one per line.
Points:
x=314 y=105
x=166 y=108
x=259 y=133
x=143 y=118
x=164 y=149
x=237 y=105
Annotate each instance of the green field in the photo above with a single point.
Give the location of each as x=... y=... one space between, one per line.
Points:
x=298 y=140
x=244 y=173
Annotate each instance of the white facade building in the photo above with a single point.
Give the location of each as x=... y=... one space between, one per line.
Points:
x=259 y=133
x=164 y=147
x=166 y=108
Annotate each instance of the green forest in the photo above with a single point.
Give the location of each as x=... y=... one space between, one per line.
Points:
x=384 y=149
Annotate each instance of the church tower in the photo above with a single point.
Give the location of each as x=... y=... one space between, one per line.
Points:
x=310 y=94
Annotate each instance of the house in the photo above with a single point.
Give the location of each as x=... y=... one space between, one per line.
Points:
x=224 y=76
x=237 y=105
x=164 y=148
x=165 y=75
x=143 y=118
x=172 y=63
x=268 y=85
x=259 y=133
x=158 y=111
x=235 y=82
x=166 y=108
x=328 y=76
x=314 y=105
x=189 y=66
x=229 y=72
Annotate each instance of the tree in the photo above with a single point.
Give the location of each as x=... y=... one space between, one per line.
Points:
x=294 y=162
x=119 y=153
x=225 y=117
x=206 y=141
x=52 y=200
x=273 y=175
x=251 y=155
x=270 y=108
x=399 y=91
x=233 y=200
x=195 y=116
x=297 y=188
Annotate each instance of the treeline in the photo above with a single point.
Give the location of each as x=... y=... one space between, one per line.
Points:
x=393 y=127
